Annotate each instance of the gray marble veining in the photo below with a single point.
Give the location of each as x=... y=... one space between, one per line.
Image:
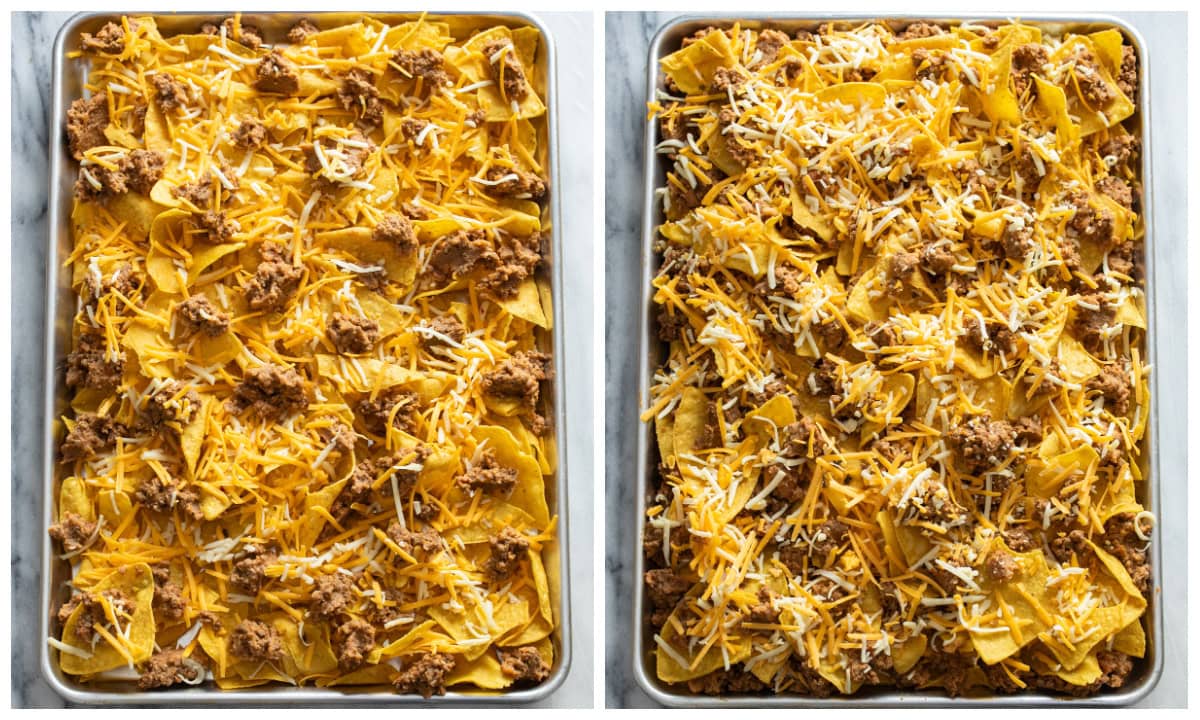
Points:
x=627 y=41
x=33 y=38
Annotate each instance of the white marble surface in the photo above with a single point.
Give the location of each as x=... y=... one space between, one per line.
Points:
x=33 y=37
x=627 y=42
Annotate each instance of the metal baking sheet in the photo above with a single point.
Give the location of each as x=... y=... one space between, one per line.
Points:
x=1149 y=669
x=69 y=77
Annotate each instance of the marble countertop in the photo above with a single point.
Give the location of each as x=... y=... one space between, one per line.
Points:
x=627 y=41
x=33 y=38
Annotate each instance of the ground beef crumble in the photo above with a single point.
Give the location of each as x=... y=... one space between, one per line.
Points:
x=514 y=182
x=354 y=640
x=517 y=259
x=249 y=574
x=449 y=326
x=110 y=39
x=1090 y=324
x=302 y=31
x=919 y=30
x=508 y=548
x=162 y=496
x=425 y=675
x=1122 y=149
x=91 y=434
x=460 y=253
x=169 y=93
x=72 y=532
x=1114 y=384
x=169 y=602
x=487 y=475
x=351 y=334
x=426 y=539
x=198 y=192
x=275 y=74
x=424 y=64
x=769 y=43
x=256 y=641
x=507 y=70
x=1096 y=91
x=86 y=121
x=982 y=442
x=250 y=134
x=1117 y=189
x=1121 y=540
x=169 y=667
x=198 y=314
x=1001 y=566
x=374 y=414
x=275 y=280
x=142 y=169
x=735 y=681
x=397 y=230
x=358 y=93
x=91 y=611
x=664 y=588
x=332 y=594
x=358 y=488
x=764 y=611
x=523 y=664
x=519 y=378
x=88 y=366
x=988 y=337
x=1127 y=75
x=271 y=392
x=170 y=403
x=744 y=155
x=1027 y=60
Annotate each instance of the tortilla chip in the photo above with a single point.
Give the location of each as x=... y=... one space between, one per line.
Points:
x=669 y=670
x=527 y=304
x=690 y=419
x=73 y=498
x=137 y=583
x=692 y=68
x=530 y=492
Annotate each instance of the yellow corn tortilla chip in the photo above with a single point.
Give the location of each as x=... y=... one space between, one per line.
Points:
x=391 y=319
x=527 y=304
x=1131 y=640
x=857 y=94
x=1001 y=104
x=692 y=67
x=690 y=418
x=664 y=430
x=114 y=505
x=137 y=583
x=500 y=514
x=670 y=670
x=905 y=655
x=73 y=498
x=483 y=672
x=1076 y=362
x=137 y=212
x=1044 y=480
x=401 y=268
x=530 y=492
x=543 y=588
x=769 y=419
x=1029 y=600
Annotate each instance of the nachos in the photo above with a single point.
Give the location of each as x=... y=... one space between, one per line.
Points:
x=309 y=439
x=902 y=405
